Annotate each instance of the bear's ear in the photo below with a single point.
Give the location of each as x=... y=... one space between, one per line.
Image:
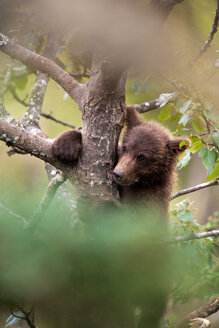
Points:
x=178 y=145
x=133 y=119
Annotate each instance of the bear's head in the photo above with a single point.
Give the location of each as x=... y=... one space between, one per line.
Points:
x=148 y=153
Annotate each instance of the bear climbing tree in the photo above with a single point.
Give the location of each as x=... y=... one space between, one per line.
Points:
x=147 y=159
x=101 y=101
x=92 y=50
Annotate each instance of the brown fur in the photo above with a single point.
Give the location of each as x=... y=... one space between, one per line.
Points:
x=147 y=159
x=67 y=146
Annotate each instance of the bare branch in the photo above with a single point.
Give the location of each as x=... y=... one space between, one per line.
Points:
x=214 y=28
x=46 y=200
x=28 y=316
x=32 y=115
x=195 y=188
x=50 y=117
x=18 y=137
x=202 y=312
x=43 y=64
x=198 y=235
x=4 y=114
x=21 y=218
x=161 y=101
x=65 y=199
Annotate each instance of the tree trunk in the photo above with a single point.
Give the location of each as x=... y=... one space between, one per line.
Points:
x=103 y=115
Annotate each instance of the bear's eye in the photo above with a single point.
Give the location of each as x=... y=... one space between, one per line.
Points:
x=124 y=149
x=141 y=158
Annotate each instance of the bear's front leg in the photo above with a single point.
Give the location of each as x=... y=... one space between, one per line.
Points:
x=67 y=146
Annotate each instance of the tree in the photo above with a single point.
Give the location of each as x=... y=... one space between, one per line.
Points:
x=94 y=76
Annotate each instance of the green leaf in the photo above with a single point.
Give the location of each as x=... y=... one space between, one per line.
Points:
x=185 y=160
x=209 y=158
x=165 y=113
x=182 y=143
x=185 y=106
x=198 y=125
x=21 y=82
x=175 y=118
x=214 y=174
x=215 y=138
x=196 y=144
x=185 y=216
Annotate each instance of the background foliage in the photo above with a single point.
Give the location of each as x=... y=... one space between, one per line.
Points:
x=193 y=265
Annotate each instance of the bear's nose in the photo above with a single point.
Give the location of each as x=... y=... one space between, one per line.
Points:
x=118 y=175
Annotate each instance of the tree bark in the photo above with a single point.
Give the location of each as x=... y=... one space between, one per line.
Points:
x=103 y=115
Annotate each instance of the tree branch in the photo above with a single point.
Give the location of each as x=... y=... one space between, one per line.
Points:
x=195 y=188
x=43 y=64
x=28 y=316
x=54 y=184
x=161 y=101
x=18 y=137
x=214 y=28
x=202 y=312
x=65 y=198
x=198 y=235
x=16 y=97
x=32 y=115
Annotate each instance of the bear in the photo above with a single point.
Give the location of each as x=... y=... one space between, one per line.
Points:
x=145 y=171
x=146 y=161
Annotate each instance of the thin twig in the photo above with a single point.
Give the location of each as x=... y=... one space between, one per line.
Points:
x=214 y=29
x=202 y=312
x=13 y=214
x=195 y=188
x=172 y=83
x=50 y=117
x=207 y=122
x=27 y=316
x=46 y=200
x=16 y=97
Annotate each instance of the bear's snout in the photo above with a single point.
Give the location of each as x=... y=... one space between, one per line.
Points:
x=118 y=175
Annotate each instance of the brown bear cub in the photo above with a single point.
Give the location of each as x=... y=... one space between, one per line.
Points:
x=147 y=159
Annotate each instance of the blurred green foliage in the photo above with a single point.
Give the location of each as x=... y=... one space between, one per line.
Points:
x=114 y=271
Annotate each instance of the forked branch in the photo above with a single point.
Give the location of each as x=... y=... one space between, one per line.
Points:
x=43 y=64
